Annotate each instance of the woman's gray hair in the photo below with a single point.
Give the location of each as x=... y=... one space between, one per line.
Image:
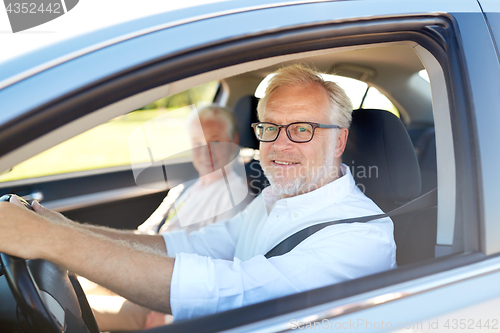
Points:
x=303 y=75
x=218 y=113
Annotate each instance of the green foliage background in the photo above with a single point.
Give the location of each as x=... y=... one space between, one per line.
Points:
x=107 y=145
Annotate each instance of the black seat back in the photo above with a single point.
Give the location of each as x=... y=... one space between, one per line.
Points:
x=415 y=234
x=381 y=157
x=383 y=162
x=245 y=111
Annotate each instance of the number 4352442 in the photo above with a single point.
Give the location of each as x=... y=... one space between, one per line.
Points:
x=471 y=324
x=33 y=8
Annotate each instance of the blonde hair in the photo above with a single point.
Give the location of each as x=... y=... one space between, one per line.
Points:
x=303 y=75
x=217 y=113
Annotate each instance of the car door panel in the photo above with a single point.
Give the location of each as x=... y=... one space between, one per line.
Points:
x=110 y=198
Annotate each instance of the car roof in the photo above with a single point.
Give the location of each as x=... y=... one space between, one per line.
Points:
x=33 y=62
x=16 y=69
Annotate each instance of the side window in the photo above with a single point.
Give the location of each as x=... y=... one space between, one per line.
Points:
x=107 y=145
x=374 y=99
x=361 y=94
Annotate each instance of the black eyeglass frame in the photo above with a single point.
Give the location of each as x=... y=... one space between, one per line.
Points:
x=313 y=125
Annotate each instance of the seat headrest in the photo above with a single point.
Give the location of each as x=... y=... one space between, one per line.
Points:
x=245 y=111
x=381 y=158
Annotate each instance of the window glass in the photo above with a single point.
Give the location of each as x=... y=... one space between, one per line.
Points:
x=424 y=75
x=107 y=145
x=374 y=99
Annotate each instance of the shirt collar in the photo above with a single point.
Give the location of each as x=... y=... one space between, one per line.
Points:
x=314 y=200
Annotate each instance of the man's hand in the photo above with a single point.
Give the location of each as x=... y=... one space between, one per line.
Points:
x=54 y=217
x=18 y=227
x=137 y=273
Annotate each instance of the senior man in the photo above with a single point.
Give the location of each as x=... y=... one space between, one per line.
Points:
x=303 y=132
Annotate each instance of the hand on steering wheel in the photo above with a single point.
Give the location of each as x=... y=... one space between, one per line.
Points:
x=49 y=299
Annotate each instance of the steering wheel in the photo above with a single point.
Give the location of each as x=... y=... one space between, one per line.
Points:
x=49 y=299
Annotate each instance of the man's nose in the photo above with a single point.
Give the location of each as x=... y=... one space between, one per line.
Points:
x=203 y=151
x=282 y=140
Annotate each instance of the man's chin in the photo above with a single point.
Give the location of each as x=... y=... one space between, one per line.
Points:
x=285 y=186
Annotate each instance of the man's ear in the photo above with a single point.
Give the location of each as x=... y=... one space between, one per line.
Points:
x=341 y=142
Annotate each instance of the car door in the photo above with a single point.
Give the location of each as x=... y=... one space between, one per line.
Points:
x=453 y=42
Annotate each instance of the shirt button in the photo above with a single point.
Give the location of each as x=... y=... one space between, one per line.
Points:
x=295 y=215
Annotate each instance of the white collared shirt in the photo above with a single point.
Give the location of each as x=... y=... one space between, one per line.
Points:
x=222 y=266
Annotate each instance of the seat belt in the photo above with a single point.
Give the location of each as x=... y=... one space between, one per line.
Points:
x=187 y=185
x=424 y=201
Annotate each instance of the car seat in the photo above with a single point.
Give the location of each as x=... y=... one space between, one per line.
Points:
x=384 y=165
x=245 y=111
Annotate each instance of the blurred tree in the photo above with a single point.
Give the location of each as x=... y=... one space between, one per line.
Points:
x=201 y=93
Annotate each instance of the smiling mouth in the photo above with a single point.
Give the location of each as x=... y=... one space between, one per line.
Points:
x=284 y=163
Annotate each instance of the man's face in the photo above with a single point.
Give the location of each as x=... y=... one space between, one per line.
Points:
x=211 y=149
x=296 y=168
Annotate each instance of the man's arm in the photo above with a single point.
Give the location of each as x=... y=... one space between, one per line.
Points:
x=154 y=241
x=137 y=273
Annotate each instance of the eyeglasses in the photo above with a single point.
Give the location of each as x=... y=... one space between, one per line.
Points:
x=299 y=132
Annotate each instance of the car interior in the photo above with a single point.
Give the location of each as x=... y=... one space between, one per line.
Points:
x=402 y=144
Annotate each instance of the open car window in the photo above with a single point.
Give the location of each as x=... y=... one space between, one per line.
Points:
x=386 y=58
x=107 y=145
x=361 y=94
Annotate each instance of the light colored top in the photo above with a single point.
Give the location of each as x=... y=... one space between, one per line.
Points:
x=222 y=266
x=199 y=205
